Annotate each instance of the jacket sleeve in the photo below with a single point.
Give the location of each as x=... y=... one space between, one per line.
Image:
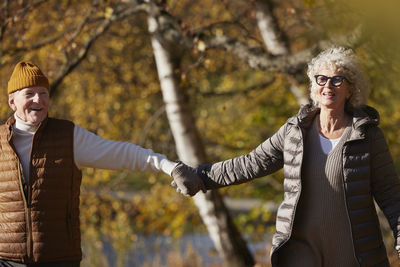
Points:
x=265 y=159
x=385 y=182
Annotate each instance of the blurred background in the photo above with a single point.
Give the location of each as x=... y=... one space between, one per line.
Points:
x=234 y=70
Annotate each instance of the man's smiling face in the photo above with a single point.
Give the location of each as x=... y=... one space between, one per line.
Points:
x=30 y=104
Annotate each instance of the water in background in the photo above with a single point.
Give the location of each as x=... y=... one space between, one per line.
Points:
x=158 y=250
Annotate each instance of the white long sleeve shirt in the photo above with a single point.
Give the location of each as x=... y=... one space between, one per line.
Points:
x=91 y=150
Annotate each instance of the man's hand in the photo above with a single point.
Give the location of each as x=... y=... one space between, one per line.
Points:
x=187 y=180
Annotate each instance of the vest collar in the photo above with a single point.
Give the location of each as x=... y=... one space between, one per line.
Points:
x=11 y=121
x=25 y=126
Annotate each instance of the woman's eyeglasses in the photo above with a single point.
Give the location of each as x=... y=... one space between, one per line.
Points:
x=336 y=81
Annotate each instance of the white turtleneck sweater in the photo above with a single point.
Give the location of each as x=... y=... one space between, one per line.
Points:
x=93 y=151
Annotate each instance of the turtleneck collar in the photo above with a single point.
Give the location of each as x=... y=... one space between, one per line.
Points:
x=25 y=126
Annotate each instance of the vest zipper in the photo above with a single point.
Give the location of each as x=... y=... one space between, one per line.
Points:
x=25 y=196
x=29 y=202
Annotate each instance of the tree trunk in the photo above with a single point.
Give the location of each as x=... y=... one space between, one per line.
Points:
x=269 y=29
x=275 y=42
x=227 y=239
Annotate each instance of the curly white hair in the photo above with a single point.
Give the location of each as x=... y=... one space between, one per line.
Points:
x=344 y=61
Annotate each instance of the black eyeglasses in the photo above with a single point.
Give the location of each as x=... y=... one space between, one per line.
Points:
x=336 y=81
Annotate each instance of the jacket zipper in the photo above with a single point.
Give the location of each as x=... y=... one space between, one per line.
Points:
x=347 y=210
x=297 y=200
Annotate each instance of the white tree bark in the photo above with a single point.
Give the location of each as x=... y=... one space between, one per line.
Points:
x=224 y=234
x=269 y=30
x=274 y=42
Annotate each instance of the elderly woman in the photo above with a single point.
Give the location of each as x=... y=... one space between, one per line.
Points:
x=336 y=163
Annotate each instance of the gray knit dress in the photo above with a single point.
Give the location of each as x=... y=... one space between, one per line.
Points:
x=321 y=232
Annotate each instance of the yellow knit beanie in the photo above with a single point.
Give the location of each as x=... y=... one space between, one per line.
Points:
x=26 y=74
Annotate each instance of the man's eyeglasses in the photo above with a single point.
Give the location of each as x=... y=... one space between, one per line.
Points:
x=336 y=81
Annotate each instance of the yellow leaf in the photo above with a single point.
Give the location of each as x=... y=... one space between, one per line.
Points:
x=201 y=46
x=108 y=13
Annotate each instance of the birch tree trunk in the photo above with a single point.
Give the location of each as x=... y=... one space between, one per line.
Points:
x=275 y=42
x=269 y=29
x=227 y=239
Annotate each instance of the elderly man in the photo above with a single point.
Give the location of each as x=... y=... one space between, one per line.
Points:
x=40 y=174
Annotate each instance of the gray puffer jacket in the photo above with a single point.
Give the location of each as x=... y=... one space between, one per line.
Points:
x=368 y=174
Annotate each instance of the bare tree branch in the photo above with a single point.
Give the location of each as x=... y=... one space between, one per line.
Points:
x=273 y=37
x=6 y=20
x=82 y=53
x=41 y=44
x=276 y=42
x=244 y=91
x=35 y=46
x=20 y=12
x=257 y=58
x=149 y=124
x=210 y=27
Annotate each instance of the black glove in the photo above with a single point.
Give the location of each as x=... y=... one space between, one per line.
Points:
x=187 y=180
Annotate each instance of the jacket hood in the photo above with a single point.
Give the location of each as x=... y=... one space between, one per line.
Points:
x=305 y=116
x=363 y=117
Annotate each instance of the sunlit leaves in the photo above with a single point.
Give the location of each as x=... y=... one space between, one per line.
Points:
x=115 y=93
x=309 y=3
x=163 y=211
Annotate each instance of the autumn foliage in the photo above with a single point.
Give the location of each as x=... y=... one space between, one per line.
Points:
x=99 y=59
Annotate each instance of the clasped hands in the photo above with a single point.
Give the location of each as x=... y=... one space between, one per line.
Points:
x=186 y=180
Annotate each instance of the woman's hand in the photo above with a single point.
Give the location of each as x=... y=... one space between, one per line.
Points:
x=186 y=180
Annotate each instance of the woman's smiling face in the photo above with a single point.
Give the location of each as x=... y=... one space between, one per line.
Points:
x=330 y=96
x=30 y=104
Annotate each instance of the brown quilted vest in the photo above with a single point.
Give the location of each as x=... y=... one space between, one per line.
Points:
x=39 y=222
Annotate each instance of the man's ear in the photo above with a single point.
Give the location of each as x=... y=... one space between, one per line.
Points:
x=11 y=102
